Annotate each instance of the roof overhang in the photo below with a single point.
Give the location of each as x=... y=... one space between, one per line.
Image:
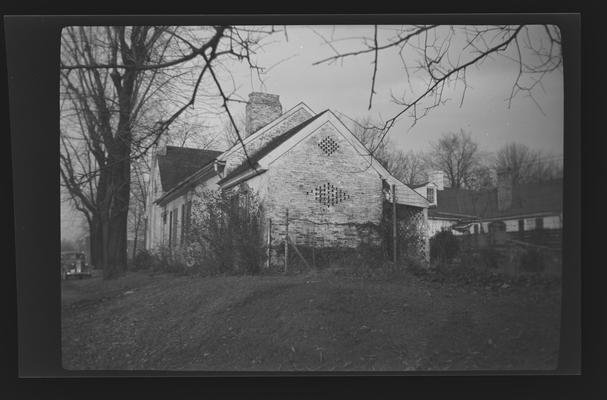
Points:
x=246 y=175
x=204 y=172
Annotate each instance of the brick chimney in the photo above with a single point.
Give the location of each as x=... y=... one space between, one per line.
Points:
x=261 y=109
x=504 y=190
x=437 y=178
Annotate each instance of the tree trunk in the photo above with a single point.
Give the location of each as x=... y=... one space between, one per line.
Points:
x=96 y=243
x=117 y=207
x=136 y=235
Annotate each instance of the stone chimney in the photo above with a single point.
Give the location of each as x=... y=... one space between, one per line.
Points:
x=504 y=190
x=437 y=178
x=261 y=109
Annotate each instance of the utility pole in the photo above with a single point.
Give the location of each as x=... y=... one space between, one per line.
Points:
x=287 y=242
x=269 y=243
x=394 y=230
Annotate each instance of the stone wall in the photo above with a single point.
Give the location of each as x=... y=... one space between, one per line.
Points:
x=333 y=196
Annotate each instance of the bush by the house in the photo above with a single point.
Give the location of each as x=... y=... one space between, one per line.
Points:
x=225 y=234
x=490 y=258
x=532 y=260
x=143 y=260
x=444 y=247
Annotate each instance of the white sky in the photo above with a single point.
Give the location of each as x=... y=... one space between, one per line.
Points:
x=345 y=87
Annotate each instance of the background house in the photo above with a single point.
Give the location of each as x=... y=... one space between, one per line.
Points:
x=305 y=162
x=530 y=212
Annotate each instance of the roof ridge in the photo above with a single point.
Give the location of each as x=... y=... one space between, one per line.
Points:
x=269 y=146
x=257 y=134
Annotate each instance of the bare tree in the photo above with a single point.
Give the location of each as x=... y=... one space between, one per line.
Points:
x=193 y=134
x=119 y=85
x=370 y=136
x=525 y=165
x=441 y=55
x=68 y=245
x=457 y=155
x=138 y=201
x=229 y=130
x=410 y=167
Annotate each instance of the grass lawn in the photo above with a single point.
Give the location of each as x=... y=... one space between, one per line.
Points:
x=314 y=322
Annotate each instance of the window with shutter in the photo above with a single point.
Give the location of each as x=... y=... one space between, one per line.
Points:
x=183 y=226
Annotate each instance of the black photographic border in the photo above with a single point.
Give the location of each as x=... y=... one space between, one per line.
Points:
x=33 y=45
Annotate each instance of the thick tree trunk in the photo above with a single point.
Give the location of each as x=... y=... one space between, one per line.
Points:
x=96 y=243
x=115 y=248
x=137 y=224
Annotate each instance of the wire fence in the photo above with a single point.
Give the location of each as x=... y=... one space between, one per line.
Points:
x=294 y=244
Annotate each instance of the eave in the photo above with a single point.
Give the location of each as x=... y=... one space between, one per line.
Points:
x=206 y=171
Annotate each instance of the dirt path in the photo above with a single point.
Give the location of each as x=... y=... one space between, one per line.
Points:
x=306 y=323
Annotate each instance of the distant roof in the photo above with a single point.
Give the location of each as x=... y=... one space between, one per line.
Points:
x=419 y=185
x=529 y=198
x=268 y=147
x=181 y=162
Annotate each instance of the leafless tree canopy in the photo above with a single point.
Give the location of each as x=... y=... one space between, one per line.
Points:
x=525 y=165
x=457 y=155
x=121 y=90
x=440 y=56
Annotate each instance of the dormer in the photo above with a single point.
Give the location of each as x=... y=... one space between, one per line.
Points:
x=429 y=191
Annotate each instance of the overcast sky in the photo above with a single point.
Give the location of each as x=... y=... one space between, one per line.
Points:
x=345 y=86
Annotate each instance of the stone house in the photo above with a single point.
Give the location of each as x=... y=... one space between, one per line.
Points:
x=298 y=160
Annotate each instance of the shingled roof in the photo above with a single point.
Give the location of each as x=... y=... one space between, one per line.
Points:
x=268 y=147
x=529 y=198
x=180 y=162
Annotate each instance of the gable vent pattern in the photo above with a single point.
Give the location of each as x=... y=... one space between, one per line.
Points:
x=328 y=145
x=328 y=194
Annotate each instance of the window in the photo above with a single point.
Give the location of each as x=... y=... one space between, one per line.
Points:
x=170 y=228
x=521 y=225
x=183 y=223
x=188 y=217
x=539 y=223
x=497 y=226
x=430 y=194
x=174 y=227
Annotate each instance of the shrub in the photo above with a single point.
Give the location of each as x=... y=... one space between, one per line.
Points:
x=143 y=260
x=225 y=234
x=489 y=257
x=443 y=247
x=532 y=260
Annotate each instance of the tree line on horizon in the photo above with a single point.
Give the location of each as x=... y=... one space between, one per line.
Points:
x=463 y=163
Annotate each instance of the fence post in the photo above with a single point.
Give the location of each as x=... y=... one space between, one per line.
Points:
x=287 y=241
x=269 y=242
x=394 y=230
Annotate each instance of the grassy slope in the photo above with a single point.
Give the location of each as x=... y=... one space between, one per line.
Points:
x=304 y=323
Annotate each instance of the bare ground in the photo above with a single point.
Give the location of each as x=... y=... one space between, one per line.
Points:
x=314 y=322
